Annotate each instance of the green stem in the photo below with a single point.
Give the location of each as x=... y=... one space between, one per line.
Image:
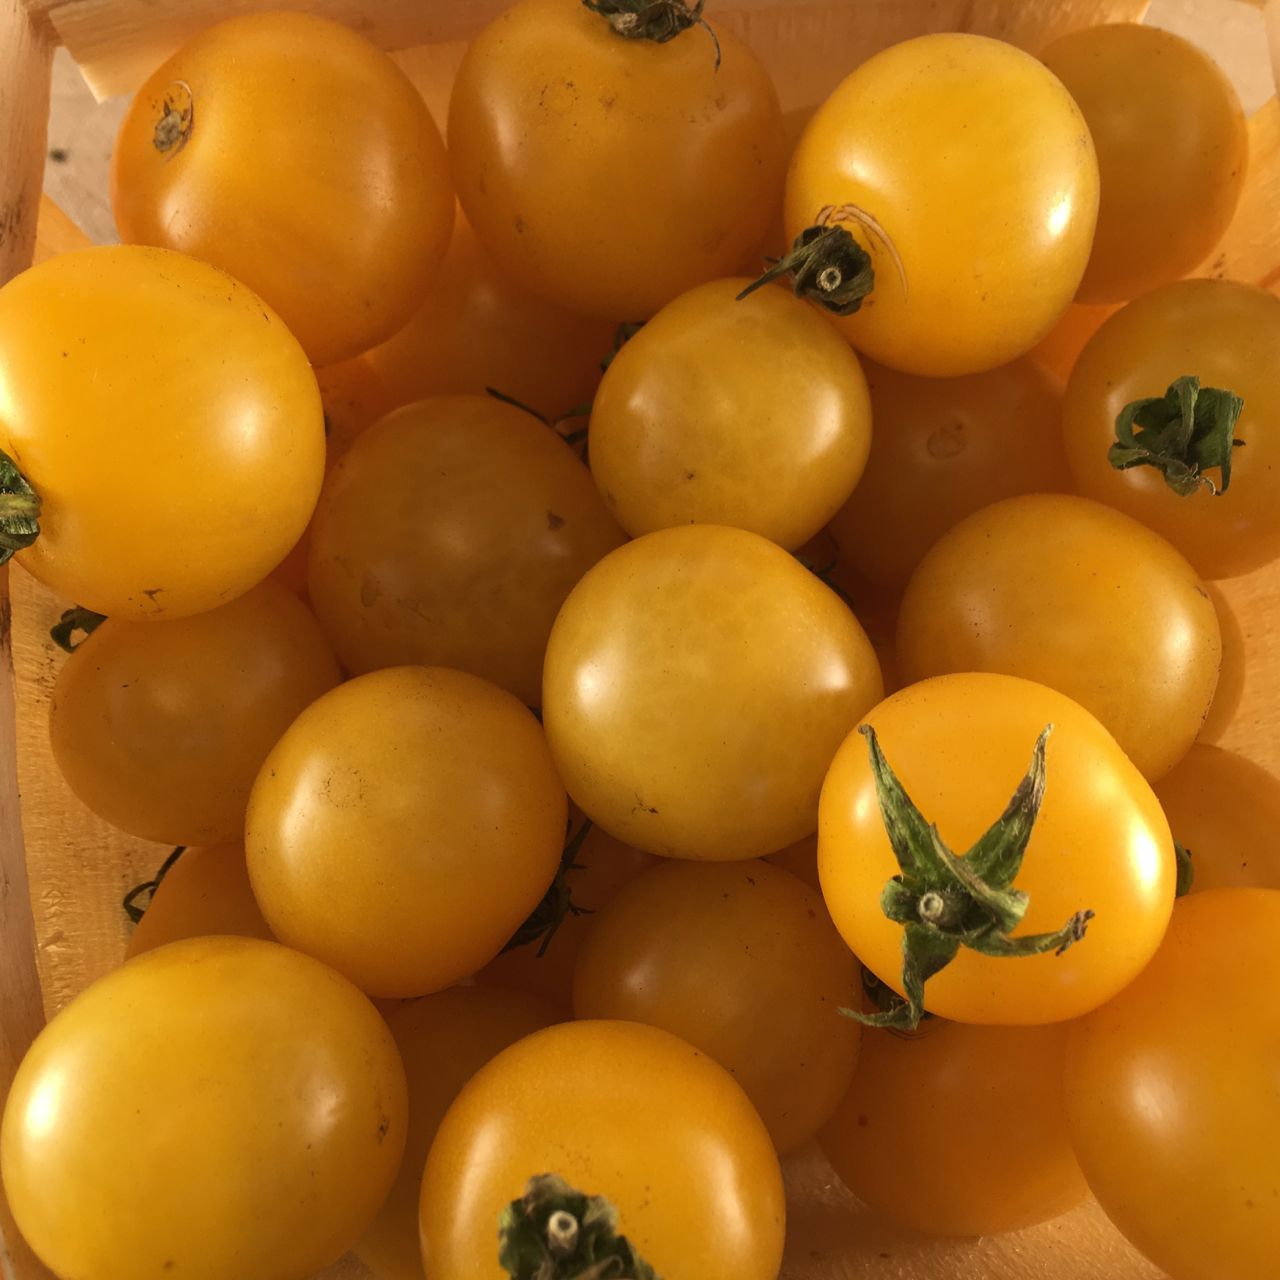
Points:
x=75 y=619
x=827 y=266
x=557 y=903
x=19 y=509
x=945 y=902
x=1182 y=434
x=656 y=20
x=555 y=1232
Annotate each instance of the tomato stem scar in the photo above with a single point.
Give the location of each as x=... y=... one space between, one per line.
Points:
x=19 y=509
x=656 y=20
x=177 y=119
x=947 y=902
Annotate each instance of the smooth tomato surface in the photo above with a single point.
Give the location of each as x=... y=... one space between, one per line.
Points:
x=960 y=744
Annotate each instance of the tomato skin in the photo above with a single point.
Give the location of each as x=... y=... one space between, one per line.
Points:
x=620 y=1110
x=171 y=482
x=1226 y=810
x=206 y=892
x=697 y=681
x=904 y=1138
x=1231 y=674
x=161 y=727
x=450 y=534
x=752 y=414
x=125 y=1156
x=477 y=328
x=1163 y=118
x=952 y=142
x=313 y=172
x=1228 y=335
x=443 y=1040
x=762 y=942
x=1076 y=596
x=606 y=174
x=1171 y=1093
x=960 y=744
x=942 y=449
x=427 y=772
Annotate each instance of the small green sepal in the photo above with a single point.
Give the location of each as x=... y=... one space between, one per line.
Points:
x=76 y=620
x=1186 y=870
x=827 y=266
x=557 y=903
x=19 y=509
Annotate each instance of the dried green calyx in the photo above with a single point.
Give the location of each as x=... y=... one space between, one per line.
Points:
x=827 y=266
x=75 y=621
x=947 y=901
x=19 y=510
x=555 y=1232
x=132 y=907
x=1184 y=433
x=656 y=20
x=557 y=903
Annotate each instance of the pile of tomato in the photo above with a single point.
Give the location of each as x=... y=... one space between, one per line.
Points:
x=653 y=649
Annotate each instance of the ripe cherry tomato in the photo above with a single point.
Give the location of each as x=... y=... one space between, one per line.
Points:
x=219 y=1107
x=977 y=186
x=601 y=866
x=168 y=422
x=1172 y=152
x=619 y=1110
x=960 y=745
x=697 y=682
x=443 y=1040
x=1226 y=700
x=1074 y=595
x=714 y=952
x=1057 y=354
x=451 y=533
x=1226 y=811
x=905 y=1137
x=752 y=414
x=1171 y=1093
x=443 y=784
x=1227 y=335
x=478 y=328
x=607 y=173
x=161 y=727
x=294 y=154
x=943 y=448
x=205 y=892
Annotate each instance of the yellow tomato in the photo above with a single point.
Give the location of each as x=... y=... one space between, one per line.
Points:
x=977 y=188
x=904 y=1138
x=161 y=727
x=611 y=174
x=219 y=1107
x=294 y=154
x=1231 y=674
x=403 y=826
x=1058 y=352
x=450 y=534
x=443 y=1040
x=697 y=682
x=1172 y=152
x=168 y=422
x=1076 y=596
x=716 y=952
x=752 y=414
x=960 y=745
x=619 y=1110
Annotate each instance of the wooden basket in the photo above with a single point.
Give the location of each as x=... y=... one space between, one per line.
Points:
x=63 y=872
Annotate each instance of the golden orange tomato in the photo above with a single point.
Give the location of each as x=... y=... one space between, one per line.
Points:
x=294 y=154
x=967 y=173
x=1231 y=673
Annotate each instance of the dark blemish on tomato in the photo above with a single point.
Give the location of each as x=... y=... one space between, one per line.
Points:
x=863 y=1122
x=751 y=880
x=60 y=155
x=690 y=475
x=384 y=1127
x=151 y=593
x=554 y=521
x=65 y=354
x=168 y=1264
x=641 y=807
x=813 y=915
x=607 y=102
x=520 y=225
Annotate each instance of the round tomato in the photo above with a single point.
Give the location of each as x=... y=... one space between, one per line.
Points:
x=1057 y=353
x=752 y=414
x=1228 y=336
x=942 y=448
x=967 y=173
x=168 y=423
x=477 y=328
x=618 y=1110
x=450 y=534
x=1172 y=1099
x=760 y=942
x=611 y=173
x=160 y=727
x=294 y=154
x=219 y=1107
x=904 y=1138
x=697 y=682
x=1074 y=595
x=202 y=893
x=1084 y=833
x=1231 y=674
x=543 y=964
x=1226 y=811
x=443 y=1040
x=443 y=784
x=1172 y=152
